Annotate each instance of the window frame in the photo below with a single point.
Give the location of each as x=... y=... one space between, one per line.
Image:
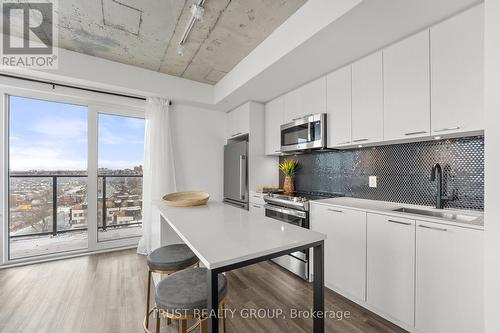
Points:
x=96 y=103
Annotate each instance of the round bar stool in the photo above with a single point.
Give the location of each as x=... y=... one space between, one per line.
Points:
x=183 y=296
x=167 y=260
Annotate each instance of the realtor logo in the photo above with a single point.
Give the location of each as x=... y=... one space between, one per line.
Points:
x=29 y=34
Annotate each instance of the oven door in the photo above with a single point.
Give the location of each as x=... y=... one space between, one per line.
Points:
x=304 y=133
x=291 y=216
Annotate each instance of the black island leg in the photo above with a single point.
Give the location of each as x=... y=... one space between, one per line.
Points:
x=318 y=289
x=213 y=301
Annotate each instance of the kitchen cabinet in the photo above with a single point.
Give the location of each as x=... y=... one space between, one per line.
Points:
x=314 y=97
x=338 y=102
x=407 y=102
x=274 y=118
x=238 y=121
x=345 y=248
x=306 y=100
x=257 y=198
x=391 y=266
x=293 y=105
x=457 y=59
x=367 y=100
x=257 y=209
x=449 y=279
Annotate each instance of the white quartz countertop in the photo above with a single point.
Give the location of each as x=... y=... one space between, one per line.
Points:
x=386 y=208
x=221 y=234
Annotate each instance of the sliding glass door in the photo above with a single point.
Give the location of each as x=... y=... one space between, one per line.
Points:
x=120 y=163
x=47 y=188
x=74 y=175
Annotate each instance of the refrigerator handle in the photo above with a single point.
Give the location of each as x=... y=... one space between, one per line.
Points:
x=242 y=176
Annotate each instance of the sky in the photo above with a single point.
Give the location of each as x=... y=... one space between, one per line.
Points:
x=52 y=136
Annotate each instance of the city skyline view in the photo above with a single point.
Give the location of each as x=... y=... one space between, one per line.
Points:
x=48 y=181
x=52 y=136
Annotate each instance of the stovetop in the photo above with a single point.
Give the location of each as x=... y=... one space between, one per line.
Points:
x=298 y=200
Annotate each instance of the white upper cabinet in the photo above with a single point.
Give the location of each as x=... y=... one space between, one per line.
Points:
x=449 y=279
x=457 y=73
x=293 y=105
x=367 y=100
x=238 y=121
x=314 y=97
x=274 y=119
x=407 y=89
x=306 y=100
x=338 y=102
x=391 y=266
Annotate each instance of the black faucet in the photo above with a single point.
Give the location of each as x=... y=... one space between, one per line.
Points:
x=440 y=198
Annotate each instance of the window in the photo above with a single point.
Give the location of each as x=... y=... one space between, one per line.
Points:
x=74 y=174
x=47 y=177
x=120 y=162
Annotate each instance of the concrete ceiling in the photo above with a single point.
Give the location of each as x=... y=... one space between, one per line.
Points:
x=146 y=33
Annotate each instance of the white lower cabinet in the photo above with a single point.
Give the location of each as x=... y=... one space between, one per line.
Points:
x=449 y=279
x=257 y=209
x=345 y=248
x=425 y=277
x=391 y=266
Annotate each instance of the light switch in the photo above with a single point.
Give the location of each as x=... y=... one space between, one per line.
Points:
x=373 y=181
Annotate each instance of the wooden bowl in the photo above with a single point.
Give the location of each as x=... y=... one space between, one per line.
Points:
x=186 y=199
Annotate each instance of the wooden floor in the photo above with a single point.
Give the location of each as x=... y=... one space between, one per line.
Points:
x=106 y=293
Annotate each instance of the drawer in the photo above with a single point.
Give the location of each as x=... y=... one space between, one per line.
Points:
x=257 y=198
x=255 y=208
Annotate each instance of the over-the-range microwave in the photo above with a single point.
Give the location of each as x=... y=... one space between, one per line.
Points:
x=304 y=133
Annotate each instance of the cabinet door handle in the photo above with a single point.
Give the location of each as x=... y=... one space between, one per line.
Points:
x=359 y=140
x=255 y=206
x=256 y=196
x=432 y=228
x=447 y=129
x=335 y=211
x=343 y=143
x=399 y=222
x=236 y=134
x=277 y=151
x=416 y=133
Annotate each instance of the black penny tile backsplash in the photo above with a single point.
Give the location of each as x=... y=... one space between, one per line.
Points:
x=402 y=170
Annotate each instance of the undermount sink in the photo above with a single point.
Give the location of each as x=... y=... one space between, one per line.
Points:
x=443 y=215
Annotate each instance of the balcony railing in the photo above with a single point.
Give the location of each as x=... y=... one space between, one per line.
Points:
x=55 y=230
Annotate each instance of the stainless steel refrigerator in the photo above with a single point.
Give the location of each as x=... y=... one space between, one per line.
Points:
x=236 y=174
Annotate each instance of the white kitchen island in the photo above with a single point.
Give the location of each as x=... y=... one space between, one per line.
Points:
x=226 y=238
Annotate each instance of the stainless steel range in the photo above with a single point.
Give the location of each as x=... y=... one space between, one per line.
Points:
x=294 y=209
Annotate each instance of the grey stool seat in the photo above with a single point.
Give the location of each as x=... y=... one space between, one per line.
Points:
x=171 y=258
x=186 y=291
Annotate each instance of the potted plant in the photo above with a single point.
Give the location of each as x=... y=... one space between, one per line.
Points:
x=289 y=169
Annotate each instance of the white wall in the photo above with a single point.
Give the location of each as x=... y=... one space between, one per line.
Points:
x=492 y=166
x=263 y=169
x=198 y=138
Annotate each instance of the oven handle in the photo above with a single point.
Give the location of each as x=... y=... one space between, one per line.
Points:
x=287 y=211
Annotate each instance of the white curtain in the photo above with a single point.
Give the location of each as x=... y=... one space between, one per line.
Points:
x=159 y=170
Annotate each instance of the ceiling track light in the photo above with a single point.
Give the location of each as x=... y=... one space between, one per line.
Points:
x=197 y=13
